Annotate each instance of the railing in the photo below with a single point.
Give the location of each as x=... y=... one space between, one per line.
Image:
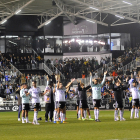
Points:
x=55 y=70
x=35 y=52
x=130 y=66
x=13 y=68
x=138 y=62
x=104 y=68
x=47 y=69
x=51 y=69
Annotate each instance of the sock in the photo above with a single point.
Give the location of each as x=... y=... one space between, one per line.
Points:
x=26 y=119
x=89 y=117
x=64 y=116
x=115 y=114
x=49 y=114
x=79 y=113
x=138 y=113
x=121 y=115
x=132 y=111
x=54 y=118
x=135 y=113
x=85 y=113
x=35 y=116
x=95 y=114
x=23 y=119
x=61 y=116
x=82 y=117
x=57 y=119
x=123 y=111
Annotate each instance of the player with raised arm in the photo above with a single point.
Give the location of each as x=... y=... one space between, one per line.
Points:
x=135 y=98
x=96 y=94
x=49 y=100
x=60 y=100
x=77 y=102
x=35 y=92
x=25 y=102
x=139 y=102
x=83 y=99
x=118 y=92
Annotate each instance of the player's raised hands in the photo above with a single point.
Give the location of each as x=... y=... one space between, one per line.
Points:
x=73 y=80
x=113 y=78
x=105 y=73
x=47 y=77
x=126 y=79
x=90 y=74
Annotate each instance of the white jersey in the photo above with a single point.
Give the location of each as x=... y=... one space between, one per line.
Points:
x=135 y=93
x=35 y=94
x=134 y=90
x=139 y=94
x=60 y=95
x=130 y=81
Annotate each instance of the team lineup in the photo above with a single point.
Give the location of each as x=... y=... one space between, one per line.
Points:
x=55 y=102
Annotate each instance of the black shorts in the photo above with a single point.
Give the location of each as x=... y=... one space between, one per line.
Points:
x=119 y=104
x=26 y=106
x=61 y=105
x=36 y=105
x=83 y=104
x=97 y=102
x=135 y=102
x=77 y=103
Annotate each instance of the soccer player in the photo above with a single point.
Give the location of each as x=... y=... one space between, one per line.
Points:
x=135 y=98
x=96 y=94
x=118 y=92
x=35 y=92
x=49 y=99
x=83 y=100
x=25 y=102
x=139 y=103
x=18 y=92
x=132 y=78
x=60 y=100
x=77 y=102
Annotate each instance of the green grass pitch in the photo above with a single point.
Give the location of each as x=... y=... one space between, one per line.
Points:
x=107 y=129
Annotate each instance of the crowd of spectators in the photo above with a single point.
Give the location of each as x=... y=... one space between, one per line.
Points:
x=29 y=62
x=75 y=67
x=116 y=68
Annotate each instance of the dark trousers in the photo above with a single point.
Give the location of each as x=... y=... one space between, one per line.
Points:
x=130 y=106
x=49 y=107
x=19 y=110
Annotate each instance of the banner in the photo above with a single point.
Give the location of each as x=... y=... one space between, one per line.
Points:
x=11 y=108
x=82 y=28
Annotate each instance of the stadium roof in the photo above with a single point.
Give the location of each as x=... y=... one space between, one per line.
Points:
x=126 y=11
